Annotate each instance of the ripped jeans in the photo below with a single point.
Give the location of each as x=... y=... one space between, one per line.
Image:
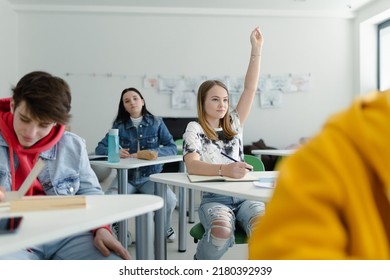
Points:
x=219 y=215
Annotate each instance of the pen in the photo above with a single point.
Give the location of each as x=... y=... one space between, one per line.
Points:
x=229 y=157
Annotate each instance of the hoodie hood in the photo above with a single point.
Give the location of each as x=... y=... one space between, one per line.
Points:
x=27 y=157
x=5 y=105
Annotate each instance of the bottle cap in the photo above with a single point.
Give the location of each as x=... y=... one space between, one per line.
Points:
x=113 y=131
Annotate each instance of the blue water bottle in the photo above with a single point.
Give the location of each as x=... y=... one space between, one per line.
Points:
x=113 y=145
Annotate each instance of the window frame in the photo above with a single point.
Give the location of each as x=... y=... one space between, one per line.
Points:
x=381 y=26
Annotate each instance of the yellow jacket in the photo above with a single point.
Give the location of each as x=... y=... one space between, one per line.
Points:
x=331 y=200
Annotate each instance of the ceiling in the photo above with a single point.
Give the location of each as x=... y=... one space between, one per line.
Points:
x=329 y=5
x=346 y=7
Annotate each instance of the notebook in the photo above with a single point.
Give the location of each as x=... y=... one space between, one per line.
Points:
x=249 y=177
x=98 y=157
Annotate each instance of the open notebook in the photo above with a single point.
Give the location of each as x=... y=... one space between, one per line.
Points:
x=98 y=157
x=249 y=177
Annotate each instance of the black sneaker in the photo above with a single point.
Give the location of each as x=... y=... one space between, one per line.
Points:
x=171 y=235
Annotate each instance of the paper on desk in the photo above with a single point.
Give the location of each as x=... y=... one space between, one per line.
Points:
x=97 y=157
x=265 y=182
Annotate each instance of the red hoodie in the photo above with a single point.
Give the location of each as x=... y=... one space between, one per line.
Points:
x=26 y=157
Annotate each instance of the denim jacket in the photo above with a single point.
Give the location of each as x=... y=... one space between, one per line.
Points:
x=152 y=134
x=67 y=169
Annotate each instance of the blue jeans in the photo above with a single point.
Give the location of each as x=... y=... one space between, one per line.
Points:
x=219 y=215
x=75 y=247
x=148 y=188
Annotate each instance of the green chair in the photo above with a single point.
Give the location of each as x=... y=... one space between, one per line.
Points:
x=179 y=145
x=240 y=236
x=255 y=162
x=197 y=232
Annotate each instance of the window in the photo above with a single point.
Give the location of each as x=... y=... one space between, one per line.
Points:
x=384 y=55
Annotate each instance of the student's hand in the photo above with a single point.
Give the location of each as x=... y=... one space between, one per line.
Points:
x=249 y=167
x=235 y=170
x=106 y=242
x=134 y=155
x=257 y=38
x=124 y=153
x=2 y=194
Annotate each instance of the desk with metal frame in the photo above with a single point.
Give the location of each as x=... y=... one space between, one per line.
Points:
x=39 y=227
x=240 y=189
x=122 y=167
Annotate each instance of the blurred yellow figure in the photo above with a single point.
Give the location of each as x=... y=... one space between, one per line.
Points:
x=331 y=200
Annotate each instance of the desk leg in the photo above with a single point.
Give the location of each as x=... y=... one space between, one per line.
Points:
x=191 y=206
x=122 y=189
x=160 y=249
x=182 y=220
x=191 y=198
x=144 y=235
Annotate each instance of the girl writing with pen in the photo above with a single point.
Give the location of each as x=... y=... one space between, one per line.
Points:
x=213 y=146
x=248 y=167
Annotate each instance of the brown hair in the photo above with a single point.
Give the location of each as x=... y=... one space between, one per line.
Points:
x=47 y=97
x=225 y=122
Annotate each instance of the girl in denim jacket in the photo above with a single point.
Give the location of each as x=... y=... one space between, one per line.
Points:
x=140 y=130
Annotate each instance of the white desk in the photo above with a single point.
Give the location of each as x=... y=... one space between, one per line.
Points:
x=272 y=152
x=39 y=227
x=122 y=167
x=131 y=163
x=239 y=189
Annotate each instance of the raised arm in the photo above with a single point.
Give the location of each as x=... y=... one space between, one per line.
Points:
x=252 y=76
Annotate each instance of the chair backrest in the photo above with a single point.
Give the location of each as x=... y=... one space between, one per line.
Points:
x=102 y=172
x=179 y=144
x=255 y=162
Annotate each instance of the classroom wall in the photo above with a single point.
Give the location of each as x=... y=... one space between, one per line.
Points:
x=129 y=46
x=8 y=47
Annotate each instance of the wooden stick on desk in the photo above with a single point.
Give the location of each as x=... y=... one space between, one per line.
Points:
x=9 y=196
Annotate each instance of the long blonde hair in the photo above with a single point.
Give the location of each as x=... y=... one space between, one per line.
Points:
x=225 y=122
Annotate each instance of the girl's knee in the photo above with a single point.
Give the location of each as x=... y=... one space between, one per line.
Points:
x=222 y=226
x=254 y=210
